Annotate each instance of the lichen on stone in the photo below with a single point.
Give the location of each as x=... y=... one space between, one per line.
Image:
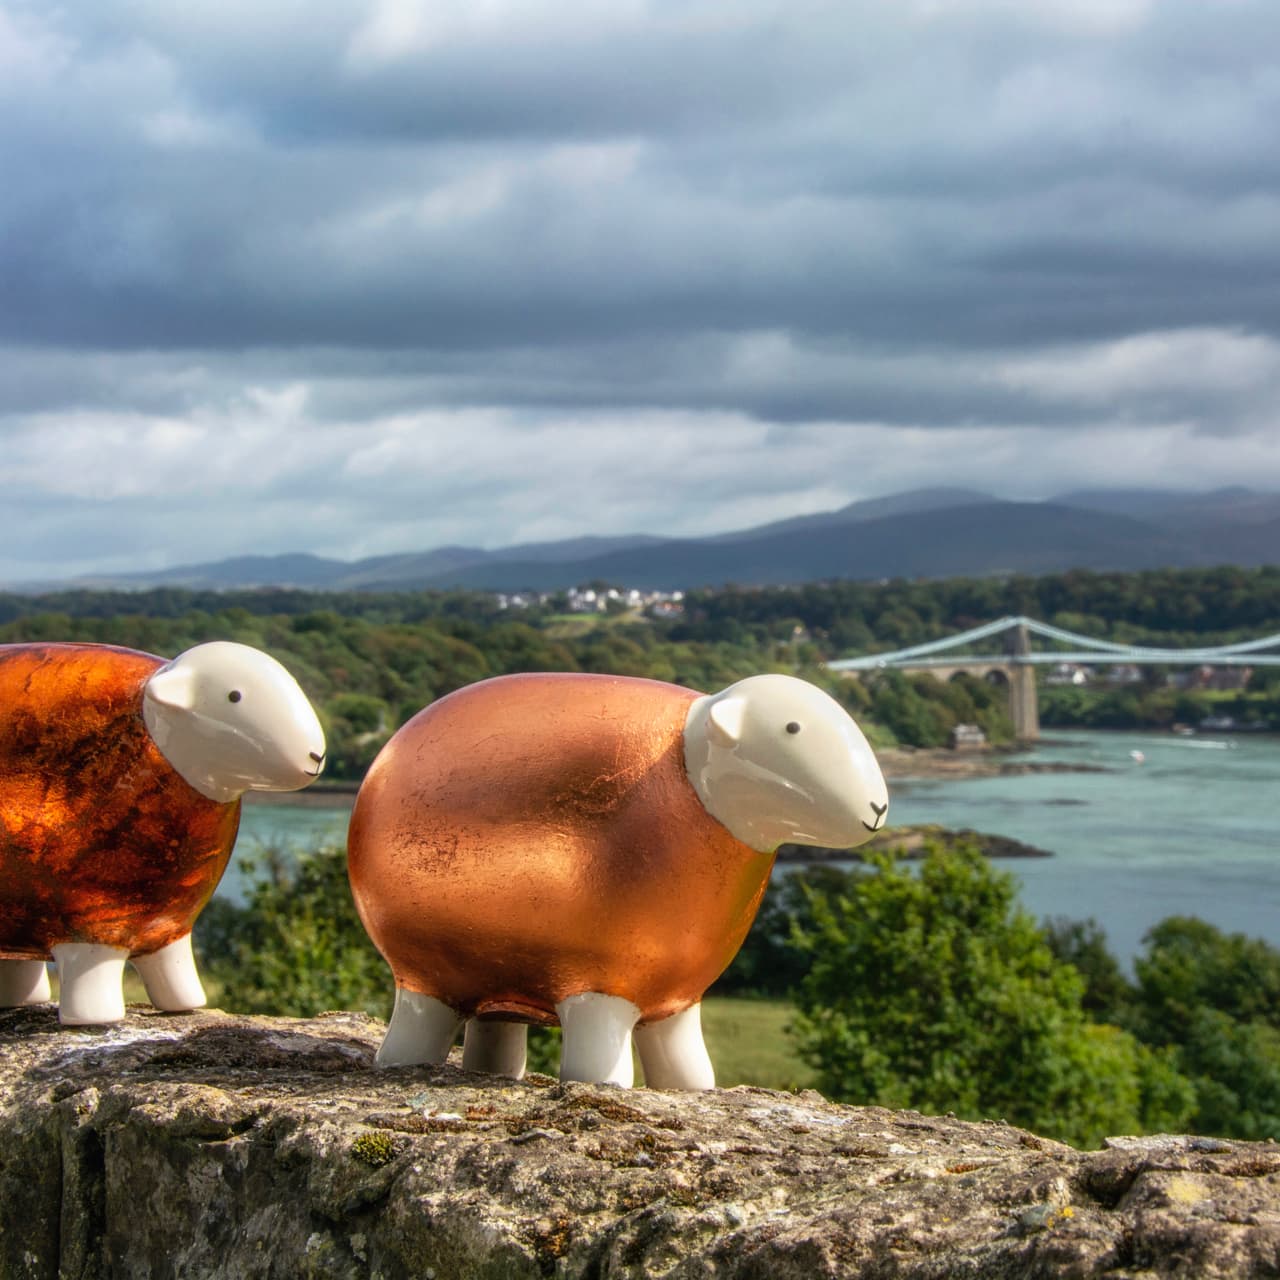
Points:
x=375 y=1148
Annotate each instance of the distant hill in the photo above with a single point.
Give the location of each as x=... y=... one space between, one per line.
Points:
x=1217 y=508
x=897 y=504
x=934 y=533
x=979 y=538
x=302 y=570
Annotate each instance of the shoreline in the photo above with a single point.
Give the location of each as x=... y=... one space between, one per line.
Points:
x=902 y=764
x=338 y=795
x=908 y=843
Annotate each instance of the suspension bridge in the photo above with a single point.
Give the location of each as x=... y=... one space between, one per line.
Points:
x=1016 y=662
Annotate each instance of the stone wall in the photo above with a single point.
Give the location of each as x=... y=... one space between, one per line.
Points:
x=206 y=1145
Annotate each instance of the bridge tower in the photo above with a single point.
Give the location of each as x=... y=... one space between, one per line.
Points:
x=1024 y=709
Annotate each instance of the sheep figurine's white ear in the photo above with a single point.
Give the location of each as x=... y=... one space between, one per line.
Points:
x=725 y=719
x=173 y=687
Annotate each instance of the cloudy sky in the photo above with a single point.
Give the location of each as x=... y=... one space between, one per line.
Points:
x=363 y=277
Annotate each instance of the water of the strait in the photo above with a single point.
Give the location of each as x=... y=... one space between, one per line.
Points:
x=1194 y=829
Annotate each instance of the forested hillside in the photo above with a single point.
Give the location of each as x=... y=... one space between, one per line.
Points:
x=370 y=660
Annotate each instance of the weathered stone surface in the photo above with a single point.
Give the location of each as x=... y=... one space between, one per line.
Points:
x=207 y=1145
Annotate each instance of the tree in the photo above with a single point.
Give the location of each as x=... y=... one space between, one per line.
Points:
x=1212 y=1001
x=297 y=946
x=934 y=990
x=1083 y=944
x=770 y=963
x=1188 y=964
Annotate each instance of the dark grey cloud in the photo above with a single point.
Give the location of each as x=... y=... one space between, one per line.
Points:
x=226 y=227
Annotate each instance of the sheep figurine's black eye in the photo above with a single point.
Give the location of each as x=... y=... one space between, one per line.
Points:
x=793 y=727
x=234 y=696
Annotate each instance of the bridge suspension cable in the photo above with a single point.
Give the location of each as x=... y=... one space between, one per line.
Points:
x=1086 y=649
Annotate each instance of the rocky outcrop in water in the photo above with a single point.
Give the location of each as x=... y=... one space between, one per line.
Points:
x=910 y=842
x=208 y=1145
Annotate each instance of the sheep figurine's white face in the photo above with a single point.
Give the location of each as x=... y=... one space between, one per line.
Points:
x=776 y=760
x=231 y=719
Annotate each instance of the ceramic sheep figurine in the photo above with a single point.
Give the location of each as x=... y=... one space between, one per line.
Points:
x=120 y=783
x=590 y=850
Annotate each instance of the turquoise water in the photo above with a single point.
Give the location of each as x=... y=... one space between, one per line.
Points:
x=1194 y=830
x=291 y=826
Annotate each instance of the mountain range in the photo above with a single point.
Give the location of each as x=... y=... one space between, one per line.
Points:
x=934 y=533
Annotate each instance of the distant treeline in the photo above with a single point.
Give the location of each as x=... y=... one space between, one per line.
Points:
x=841 y=617
x=370 y=660
x=1169 y=606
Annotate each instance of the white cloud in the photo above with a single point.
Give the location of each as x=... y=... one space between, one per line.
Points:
x=1217 y=362
x=396 y=29
x=31 y=48
x=262 y=477
x=1092 y=16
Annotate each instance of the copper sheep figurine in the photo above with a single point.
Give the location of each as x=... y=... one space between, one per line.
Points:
x=590 y=850
x=120 y=784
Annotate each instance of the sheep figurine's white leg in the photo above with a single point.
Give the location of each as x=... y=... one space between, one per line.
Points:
x=170 y=977
x=597 y=1038
x=501 y=1048
x=89 y=978
x=422 y=1030
x=673 y=1053
x=23 y=982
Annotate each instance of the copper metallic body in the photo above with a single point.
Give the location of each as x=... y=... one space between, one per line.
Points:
x=100 y=840
x=534 y=837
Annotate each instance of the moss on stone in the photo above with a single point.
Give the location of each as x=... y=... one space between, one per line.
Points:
x=374 y=1149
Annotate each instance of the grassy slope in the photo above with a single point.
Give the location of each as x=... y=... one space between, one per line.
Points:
x=748 y=1043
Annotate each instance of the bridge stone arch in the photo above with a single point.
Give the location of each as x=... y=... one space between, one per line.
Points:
x=983 y=670
x=1019 y=681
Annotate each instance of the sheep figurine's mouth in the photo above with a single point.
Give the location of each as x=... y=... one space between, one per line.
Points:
x=879 y=810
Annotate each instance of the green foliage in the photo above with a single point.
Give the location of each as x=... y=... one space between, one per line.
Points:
x=769 y=962
x=1206 y=1009
x=1211 y=1000
x=921 y=710
x=1168 y=1099
x=1108 y=994
x=1165 y=606
x=1155 y=707
x=934 y=990
x=368 y=670
x=1189 y=964
x=544 y=1050
x=297 y=945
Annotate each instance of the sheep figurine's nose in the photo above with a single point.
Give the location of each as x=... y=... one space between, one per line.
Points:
x=879 y=810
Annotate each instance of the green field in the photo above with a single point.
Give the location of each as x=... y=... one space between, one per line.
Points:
x=748 y=1043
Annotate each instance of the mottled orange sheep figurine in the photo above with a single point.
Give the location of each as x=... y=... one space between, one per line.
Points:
x=120 y=783
x=590 y=850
